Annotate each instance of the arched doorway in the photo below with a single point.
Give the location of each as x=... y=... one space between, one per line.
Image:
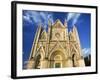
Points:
x=73 y=60
x=57 y=59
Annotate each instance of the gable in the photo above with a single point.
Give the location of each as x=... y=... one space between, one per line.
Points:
x=43 y=35
x=58 y=24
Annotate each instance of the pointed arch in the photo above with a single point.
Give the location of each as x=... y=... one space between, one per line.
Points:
x=37 y=62
x=40 y=52
x=40 y=55
x=56 y=59
x=73 y=60
x=43 y=35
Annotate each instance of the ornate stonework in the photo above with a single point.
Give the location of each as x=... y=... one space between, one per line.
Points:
x=56 y=48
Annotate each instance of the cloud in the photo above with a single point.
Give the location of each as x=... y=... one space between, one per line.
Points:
x=86 y=51
x=70 y=16
x=74 y=17
x=38 y=17
x=27 y=18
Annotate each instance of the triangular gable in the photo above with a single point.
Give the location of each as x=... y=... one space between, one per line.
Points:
x=57 y=46
x=58 y=24
x=43 y=35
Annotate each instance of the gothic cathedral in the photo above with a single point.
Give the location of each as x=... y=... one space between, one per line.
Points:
x=56 y=47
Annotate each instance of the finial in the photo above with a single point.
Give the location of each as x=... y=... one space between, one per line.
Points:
x=49 y=23
x=74 y=27
x=39 y=24
x=65 y=23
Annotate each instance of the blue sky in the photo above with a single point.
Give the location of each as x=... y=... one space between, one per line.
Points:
x=31 y=20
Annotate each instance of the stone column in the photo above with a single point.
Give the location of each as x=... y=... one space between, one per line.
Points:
x=30 y=64
x=69 y=62
x=44 y=63
x=81 y=62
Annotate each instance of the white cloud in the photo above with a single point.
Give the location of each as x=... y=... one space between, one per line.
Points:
x=86 y=51
x=43 y=15
x=74 y=17
x=50 y=17
x=27 y=18
x=70 y=16
x=38 y=17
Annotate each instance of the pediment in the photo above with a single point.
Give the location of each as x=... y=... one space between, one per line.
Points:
x=58 y=24
x=43 y=35
x=57 y=46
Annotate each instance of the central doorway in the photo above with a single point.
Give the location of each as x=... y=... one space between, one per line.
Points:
x=57 y=59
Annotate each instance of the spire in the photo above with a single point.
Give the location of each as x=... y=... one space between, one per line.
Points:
x=43 y=35
x=36 y=38
x=40 y=24
x=77 y=39
x=76 y=35
x=65 y=23
x=74 y=28
x=70 y=32
x=49 y=23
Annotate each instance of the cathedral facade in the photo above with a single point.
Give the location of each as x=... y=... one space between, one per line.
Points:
x=56 y=47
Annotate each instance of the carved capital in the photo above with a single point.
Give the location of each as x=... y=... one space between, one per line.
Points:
x=81 y=57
